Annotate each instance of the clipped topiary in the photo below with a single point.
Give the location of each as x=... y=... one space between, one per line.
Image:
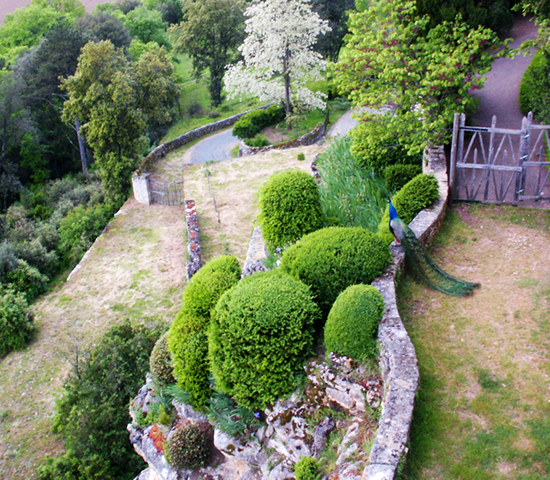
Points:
x=307 y=468
x=260 y=334
x=290 y=207
x=199 y=298
x=187 y=448
x=353 y=322
x=396 y=176
x=332 y=259
x=16 y=322
x=421 y=192
x=160 y=363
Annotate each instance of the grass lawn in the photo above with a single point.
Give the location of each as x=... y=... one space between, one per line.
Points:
x=483 y=408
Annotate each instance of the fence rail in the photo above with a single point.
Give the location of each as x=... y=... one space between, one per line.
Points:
x=166 y=193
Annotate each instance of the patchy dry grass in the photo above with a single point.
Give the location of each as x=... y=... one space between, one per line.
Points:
x=484 y=402
x=136 y=270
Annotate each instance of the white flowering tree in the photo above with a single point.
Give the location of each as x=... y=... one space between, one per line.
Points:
x=278 y=57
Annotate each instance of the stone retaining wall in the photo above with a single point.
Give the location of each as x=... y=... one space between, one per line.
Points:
x=194 y=262
x=182 y=140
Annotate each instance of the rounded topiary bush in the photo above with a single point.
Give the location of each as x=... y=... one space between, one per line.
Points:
x=199 y=298
x=533 y=90
x=187 y=448
x=260 y=334
x=396 y=176
x=421 y=192
x=332 y=259
x=160 y=362
x=16 y=322
x=307 y=468
x=353 y=320
x=290 y=207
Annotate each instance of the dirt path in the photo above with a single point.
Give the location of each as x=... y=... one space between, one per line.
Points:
x=136 y=270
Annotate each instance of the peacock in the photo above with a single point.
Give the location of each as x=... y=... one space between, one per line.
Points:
x=428 y=270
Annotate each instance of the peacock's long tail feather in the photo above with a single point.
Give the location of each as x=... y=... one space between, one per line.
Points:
x=427 y=269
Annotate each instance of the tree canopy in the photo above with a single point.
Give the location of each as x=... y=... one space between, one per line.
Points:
x=210 y=35
x=411 y=79
x=278 y=56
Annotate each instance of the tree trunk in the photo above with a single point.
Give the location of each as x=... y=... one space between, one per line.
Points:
x=286 y=76
x=81 y=147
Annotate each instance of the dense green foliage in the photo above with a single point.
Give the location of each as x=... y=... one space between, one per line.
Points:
x=332 y=259
x=335 y=12
x=352 y=322
x=210 y=33
x=160 y=363
x=396 y=176
x=307 y=468
x=534 y=87
x=426 y=75
x=421 y=192
x=350 y=195
x=187 y=447
x=92 y=414
x=249 y=125
x=493 y=14
x=261 y=333
x=187 y=341
x=16 y=321
x=290 y=207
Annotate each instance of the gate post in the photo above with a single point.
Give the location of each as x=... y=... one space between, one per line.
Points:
x=140 y=186
x=523 y=154
x=454 y=148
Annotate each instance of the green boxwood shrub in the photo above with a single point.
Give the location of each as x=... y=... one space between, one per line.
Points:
x=187 y=448
x=397 y=176
x=249 y=125
x=533 y=90
x=421 y=192
x=261 y=334
x=160 y=363
x=332 y=259
x=353 y=322
x=258 y=140
x=307 y=468
x=16 y=322
x=189 y=327
x=290 y=207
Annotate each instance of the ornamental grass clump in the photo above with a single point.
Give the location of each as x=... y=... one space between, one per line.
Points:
x=332 y=259
x=187 y=448
x=353 y=322
x=307 y=468
x=421 y=192
x=187 y=335
x=261 y=334
x=290 y=208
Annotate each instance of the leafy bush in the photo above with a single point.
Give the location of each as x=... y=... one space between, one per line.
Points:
x=93 y=413
x=396 y=176
x=374 y=152
x=80 y=228
x=260 y=334
x=353 y=322
x=189 y=327
x=28 y=280
x=187 y=447
x=350 y=195
x=332 y=259
x=16 y=322
x=301 y=156
x=421 y=192
x=254 y=122
x=160 y=363
x=533 y=90
x=307 y=468
x=258 y=140
x=290 y=207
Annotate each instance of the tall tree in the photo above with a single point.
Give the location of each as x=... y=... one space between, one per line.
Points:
x=210 y=34
x=103 y=95
x=103 y=26
x=147 y=26
x=278 y=56
x=411 y=82
x=335 y=13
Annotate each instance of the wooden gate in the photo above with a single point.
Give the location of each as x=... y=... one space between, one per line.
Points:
x=497 y=165
x=166 y=193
